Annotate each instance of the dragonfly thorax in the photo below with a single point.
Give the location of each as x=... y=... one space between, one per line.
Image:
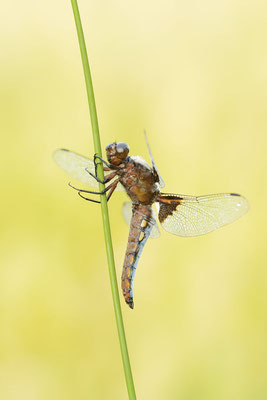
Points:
x=138 y=181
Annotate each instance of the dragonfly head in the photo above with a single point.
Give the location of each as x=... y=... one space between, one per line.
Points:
x=117 y=152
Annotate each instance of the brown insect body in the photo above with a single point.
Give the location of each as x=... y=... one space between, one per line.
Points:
x=141 y=185
x=138 y=181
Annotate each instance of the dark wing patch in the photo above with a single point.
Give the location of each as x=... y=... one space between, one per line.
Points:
x=193 y=216
x=168 y=205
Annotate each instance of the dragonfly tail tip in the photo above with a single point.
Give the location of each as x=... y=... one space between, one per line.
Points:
x=130 y=303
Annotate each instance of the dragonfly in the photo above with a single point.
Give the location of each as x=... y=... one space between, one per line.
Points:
x=178 y=214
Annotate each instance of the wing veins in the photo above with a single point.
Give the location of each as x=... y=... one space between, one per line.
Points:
x=186 y=218
x=199 y=215
x=199 y=210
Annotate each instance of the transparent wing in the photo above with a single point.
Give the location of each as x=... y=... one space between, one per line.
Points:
x=193 y=216
x=127 y=214
x=161 y=182
x=76 y=165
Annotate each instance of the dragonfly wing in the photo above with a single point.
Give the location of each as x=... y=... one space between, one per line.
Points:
x=127 y=215
x=77 y=166
x=193 y=216
x=161 y=182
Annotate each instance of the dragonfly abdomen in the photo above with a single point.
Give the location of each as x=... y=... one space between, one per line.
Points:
x=140 y=228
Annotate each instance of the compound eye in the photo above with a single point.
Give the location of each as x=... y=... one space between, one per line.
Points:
x=122 y=147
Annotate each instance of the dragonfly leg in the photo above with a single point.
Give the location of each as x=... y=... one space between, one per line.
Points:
x=89 y=191
x=107 y=178
x=107 y=168
x=100 y=158
x=103 y=161
x=111 y=187
x=85 y=198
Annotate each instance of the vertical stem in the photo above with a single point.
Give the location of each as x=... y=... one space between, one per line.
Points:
x=104 y=208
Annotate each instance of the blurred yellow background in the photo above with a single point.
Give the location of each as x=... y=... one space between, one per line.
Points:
x=194 y=75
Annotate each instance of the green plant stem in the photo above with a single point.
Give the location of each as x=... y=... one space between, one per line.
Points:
x=104 y=208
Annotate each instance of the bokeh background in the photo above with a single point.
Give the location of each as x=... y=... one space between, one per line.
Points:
x=194 y=75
